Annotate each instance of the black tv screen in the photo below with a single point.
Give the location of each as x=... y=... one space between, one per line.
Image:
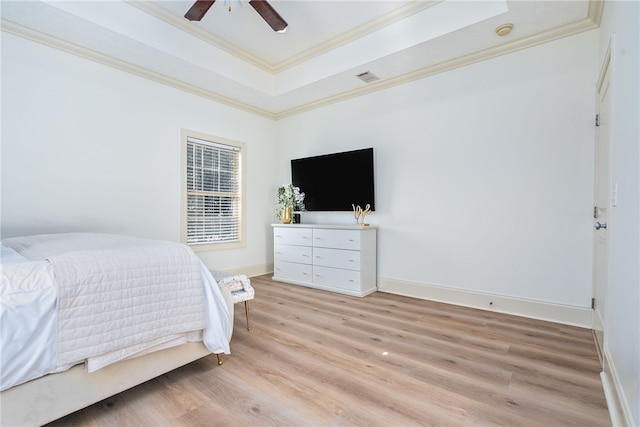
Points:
x=335 y=182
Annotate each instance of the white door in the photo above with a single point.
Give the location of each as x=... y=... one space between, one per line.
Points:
x=602 y=204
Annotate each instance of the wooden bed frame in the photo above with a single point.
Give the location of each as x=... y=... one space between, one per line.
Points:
x=53 y=396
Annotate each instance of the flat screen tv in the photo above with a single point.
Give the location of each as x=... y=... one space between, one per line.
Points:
x=333 y=182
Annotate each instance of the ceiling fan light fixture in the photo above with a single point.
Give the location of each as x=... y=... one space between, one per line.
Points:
x=227 y=3
x=269 y=14
x=199 y=9
x=264 y=9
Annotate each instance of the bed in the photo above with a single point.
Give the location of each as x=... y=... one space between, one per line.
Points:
x=84 y=316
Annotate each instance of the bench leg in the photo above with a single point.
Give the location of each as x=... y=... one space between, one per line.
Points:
x=246 y=310
x=219 y=358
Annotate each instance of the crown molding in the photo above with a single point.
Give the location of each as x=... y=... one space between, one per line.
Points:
x=513 y=46
x=196 y=31
x=595 y=11
x=101 y=58
x=372 y=26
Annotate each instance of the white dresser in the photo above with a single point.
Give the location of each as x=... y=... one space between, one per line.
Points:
x=330 y=257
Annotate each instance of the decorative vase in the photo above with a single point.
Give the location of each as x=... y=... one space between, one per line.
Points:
x=286 y=215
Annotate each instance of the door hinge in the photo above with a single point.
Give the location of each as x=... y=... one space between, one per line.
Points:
x=597 y=119
x=595 y=212
x=593 y=303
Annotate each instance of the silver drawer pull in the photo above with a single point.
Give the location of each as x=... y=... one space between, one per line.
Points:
x=317 y=275
x=351 y=280
x=351 y=240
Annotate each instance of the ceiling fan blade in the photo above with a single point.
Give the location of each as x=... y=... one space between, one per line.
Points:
x=199 y=9
x=270 y=15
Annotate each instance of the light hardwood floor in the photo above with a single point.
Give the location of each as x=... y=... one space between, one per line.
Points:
x=316 y=358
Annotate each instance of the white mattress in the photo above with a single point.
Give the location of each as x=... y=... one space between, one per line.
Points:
x=29 y=322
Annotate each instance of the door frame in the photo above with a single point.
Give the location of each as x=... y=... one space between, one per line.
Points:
x=598 y=320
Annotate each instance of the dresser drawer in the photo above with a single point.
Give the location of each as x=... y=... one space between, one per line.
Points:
x=338 y=258
x=339 y=239
x=292 y=271
x=299 y=254
x=337 y=278
x=292 y=236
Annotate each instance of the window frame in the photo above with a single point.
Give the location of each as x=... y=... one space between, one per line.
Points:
x=212 y=246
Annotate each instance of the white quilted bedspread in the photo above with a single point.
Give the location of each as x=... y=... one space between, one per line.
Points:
x=115 y=293
x=114 y=298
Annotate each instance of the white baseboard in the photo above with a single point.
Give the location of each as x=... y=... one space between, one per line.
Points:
x=617 y=403
x=252 y=270
x=558 y=313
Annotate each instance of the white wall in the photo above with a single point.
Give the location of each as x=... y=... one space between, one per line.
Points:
x=621 y=19
x=88 y=147
x=484 y=174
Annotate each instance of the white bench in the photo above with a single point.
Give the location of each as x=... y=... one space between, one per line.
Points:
x=240 y=287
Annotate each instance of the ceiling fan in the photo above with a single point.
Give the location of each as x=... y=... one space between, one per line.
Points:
x=264 y=9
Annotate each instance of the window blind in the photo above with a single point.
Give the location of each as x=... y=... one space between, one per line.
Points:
x=213 y=192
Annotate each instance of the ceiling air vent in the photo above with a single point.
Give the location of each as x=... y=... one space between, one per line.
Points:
x=367 y=77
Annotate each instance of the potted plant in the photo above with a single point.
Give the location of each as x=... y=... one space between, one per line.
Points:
x=289 y=198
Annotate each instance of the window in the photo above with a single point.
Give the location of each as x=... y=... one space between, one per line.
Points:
x=212 y=192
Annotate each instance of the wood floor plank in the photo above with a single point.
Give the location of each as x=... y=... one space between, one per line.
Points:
x=275 y=377
x=316 y=358
x=343 y=367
